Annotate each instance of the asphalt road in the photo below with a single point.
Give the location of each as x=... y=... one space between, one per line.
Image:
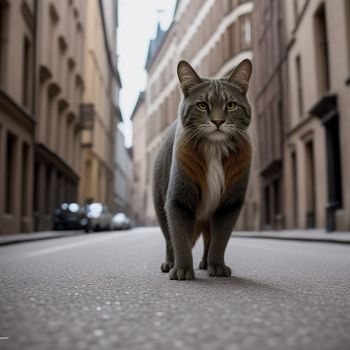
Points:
x=106 y=291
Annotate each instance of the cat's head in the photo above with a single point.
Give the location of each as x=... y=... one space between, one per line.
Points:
x=215 y=109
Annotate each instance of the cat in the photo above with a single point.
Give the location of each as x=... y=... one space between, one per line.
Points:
x=202 y=168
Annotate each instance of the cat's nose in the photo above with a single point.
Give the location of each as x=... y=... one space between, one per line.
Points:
x=218 y=122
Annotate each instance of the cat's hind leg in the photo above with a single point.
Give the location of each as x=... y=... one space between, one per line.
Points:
x=168 y=264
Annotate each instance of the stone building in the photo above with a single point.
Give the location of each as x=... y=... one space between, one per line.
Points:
x=55 y=55
x=17 y=113
x=269 y=89
x=100 y=110
x=60 y=70
x=41 y=89
x=299 y=93
x=214 y=36
x=317 y=166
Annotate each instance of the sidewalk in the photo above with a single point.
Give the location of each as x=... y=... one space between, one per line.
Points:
x=314 y=235
x=294 y=235
x=37 y=236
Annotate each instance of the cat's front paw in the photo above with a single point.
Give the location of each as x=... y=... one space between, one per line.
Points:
x=219 y=271
x=179 y=273
x=167 y=266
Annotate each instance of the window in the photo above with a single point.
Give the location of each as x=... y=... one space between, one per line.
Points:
x=11 y=173
x=322 y=62
x=267 y=206
x=48 y=191
x=299 y=86
x=26 y=81
x=49 y=117
x=335 y=192
x=36 y=187
x=25 y=176
x=294 y=188
x=310 y=185
x=276 y=199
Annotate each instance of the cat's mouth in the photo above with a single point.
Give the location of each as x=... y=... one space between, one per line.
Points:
x=217 y=135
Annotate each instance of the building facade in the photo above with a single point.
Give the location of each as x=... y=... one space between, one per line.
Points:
x=269 y=89
x=299 y=94
x=317 y=166
x=123 y=182
x=139 y=121
x=214 y=36
x=100 y=110
x=59 y=53
x=57 y=64
x=17 y=114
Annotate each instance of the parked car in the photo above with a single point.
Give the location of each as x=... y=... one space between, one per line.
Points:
x=121 y=222
x=99 y=216
x=70 y=216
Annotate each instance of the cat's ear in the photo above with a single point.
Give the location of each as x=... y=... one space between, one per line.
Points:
x=241 y=75
x=187 y=76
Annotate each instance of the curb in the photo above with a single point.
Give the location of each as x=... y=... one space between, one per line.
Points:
x=15 y=240
x=28 y=237
x=301 y=239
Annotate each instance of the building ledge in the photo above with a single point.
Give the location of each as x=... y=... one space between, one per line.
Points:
x=13 y=108
x=304 y=121
x=272 y=168
x=54 y=89
x=326 y=108
x=44 y=73
x=62 y=104
x=71 y=62
x=63 y=43
x=43 y=152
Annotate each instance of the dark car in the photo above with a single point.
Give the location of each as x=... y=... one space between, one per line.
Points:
x=71 y=216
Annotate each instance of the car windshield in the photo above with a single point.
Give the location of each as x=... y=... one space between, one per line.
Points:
x=120 y=216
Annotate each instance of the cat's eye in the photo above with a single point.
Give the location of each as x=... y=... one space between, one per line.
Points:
x=231 y=106
x=202 y=106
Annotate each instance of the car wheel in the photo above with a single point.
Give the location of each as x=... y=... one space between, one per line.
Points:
x=88 y=228
x=59 y=227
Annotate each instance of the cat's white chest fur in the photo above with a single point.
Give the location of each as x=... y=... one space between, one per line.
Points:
x=215 y=179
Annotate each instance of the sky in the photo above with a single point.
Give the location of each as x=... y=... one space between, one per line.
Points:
x=137 y=26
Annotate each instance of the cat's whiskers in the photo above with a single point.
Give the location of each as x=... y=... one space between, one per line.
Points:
x=240 y=135
x=243 y=133
x=191 y=135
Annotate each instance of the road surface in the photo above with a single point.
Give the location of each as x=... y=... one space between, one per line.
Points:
x=106 y=291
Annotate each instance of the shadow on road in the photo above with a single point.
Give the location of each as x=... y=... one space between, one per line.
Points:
x=233 y=282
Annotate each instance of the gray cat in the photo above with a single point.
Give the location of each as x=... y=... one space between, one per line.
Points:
x=202 y=169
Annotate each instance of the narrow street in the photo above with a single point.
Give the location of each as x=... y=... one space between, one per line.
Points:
x=106 y=291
